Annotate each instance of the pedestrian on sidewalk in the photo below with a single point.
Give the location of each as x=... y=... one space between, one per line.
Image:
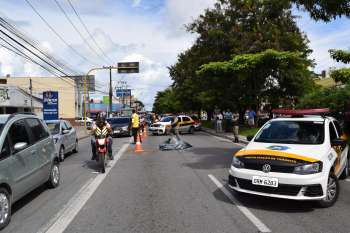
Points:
x=219 y=118
x=228 y=120
x=251 y=118
x=235 y=119
x=135 y=124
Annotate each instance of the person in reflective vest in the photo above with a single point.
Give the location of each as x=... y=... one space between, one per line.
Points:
x=135 y=124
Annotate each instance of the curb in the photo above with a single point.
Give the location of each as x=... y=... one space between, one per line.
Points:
x=209 y=131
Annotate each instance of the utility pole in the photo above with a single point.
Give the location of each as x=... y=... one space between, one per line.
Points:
x=31 y=94
x=110 y=90
x=88 y=95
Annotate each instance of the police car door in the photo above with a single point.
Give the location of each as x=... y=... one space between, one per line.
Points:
x=339 y=150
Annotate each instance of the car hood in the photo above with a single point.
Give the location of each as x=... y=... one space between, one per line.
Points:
x=162 y=123
x=307 y=153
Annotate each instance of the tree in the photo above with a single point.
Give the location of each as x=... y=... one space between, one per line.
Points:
x=325 y=10
x=231 y=28
x=341 y=75
x=249 y=79
x=166 y=102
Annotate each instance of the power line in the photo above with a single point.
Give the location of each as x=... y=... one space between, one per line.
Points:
x=88 y=32
x=58 y=35
x=19 y=53
x=23 y=46
x=18 y=34
x=77 y=30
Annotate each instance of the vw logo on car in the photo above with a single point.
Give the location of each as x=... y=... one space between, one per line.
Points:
x=266 y=168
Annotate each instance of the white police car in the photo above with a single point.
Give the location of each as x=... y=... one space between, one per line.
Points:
x=298 y=158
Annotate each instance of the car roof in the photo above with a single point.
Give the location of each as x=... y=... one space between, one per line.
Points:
x=305 y=118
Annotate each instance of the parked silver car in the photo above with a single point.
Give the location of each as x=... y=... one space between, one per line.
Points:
x=64 y=136
x=28 y=159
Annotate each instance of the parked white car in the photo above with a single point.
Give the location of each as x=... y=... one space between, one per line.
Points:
x=161 y=126
x=81 y=121
x=293 y=158
x=65 y=137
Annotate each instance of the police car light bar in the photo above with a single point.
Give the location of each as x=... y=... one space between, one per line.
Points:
x=300 y=112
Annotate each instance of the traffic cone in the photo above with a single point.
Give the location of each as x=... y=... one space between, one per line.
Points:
x=138 y=146
x=145 y=132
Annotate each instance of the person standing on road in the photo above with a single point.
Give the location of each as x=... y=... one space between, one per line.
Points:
x=219 y=118
x=235 y=119
x=135 y=124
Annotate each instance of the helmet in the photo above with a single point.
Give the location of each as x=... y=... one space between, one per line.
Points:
x=101 y=118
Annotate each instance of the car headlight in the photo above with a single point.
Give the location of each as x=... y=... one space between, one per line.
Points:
x=308 y=169
x=237 y=163
x=55 y=140
x=125 y=128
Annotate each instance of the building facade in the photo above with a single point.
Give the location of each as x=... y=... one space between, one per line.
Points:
x=66 y=88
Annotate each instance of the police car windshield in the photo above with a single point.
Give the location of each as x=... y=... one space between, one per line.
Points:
x=292 y=132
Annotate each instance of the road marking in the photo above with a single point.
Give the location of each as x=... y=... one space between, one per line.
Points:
x=348 y=180
x=257 y=222
x=61 y=221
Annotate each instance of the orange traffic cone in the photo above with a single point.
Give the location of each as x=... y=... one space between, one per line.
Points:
x=138 y=146
x=145 y=132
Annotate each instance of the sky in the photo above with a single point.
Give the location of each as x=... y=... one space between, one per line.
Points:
x=149 y=31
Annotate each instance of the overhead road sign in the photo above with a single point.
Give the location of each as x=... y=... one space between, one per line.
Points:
x=123 y=92
x=128 y=67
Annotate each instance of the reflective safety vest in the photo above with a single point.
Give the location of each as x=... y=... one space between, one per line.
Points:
x=135 y=121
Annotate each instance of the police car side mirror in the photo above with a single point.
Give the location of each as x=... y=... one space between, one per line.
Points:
x=339 y=142
x=250 y=137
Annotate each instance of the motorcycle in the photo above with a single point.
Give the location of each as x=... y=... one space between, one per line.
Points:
x=101 y=137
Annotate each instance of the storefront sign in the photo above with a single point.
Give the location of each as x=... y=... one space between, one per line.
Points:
x=50 y=105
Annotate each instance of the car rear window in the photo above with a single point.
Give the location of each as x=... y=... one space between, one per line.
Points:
x=54 y=127
x=123 y=120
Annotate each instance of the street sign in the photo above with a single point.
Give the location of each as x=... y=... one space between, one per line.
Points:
x=128 y=67
x=123 y=92
x=50 y=105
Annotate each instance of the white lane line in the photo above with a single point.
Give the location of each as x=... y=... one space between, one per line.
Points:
x=61 y=221
x=257 y=222
x=348 y=180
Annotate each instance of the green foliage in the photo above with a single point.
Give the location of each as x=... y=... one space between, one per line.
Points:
x=334 y=98
x=166 y=102
x=249 y=79
x=325 y=10
x=341 y=75
x=233 y=27
x=340 y=55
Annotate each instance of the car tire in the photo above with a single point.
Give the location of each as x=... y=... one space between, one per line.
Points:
x=54 y=179
x=5 y=206
x=346 y=170
x=332 y=192
x=76 y=147
x=61 y=154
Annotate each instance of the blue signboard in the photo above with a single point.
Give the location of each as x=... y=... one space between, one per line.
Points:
x=123 y=92
x=50 y=108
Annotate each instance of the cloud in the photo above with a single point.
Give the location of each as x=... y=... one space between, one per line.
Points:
x=136 y=3
x=181 y=12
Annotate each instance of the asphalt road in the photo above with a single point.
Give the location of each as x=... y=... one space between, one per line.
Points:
x=169 y=191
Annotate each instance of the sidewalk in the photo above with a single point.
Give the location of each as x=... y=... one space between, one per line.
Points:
x=242 y=139
x=82 y=132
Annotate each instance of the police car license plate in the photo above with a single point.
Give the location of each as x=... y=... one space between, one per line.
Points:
x=265 y=181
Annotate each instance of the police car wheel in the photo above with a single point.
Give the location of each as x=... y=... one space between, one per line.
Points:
x=332 y=192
